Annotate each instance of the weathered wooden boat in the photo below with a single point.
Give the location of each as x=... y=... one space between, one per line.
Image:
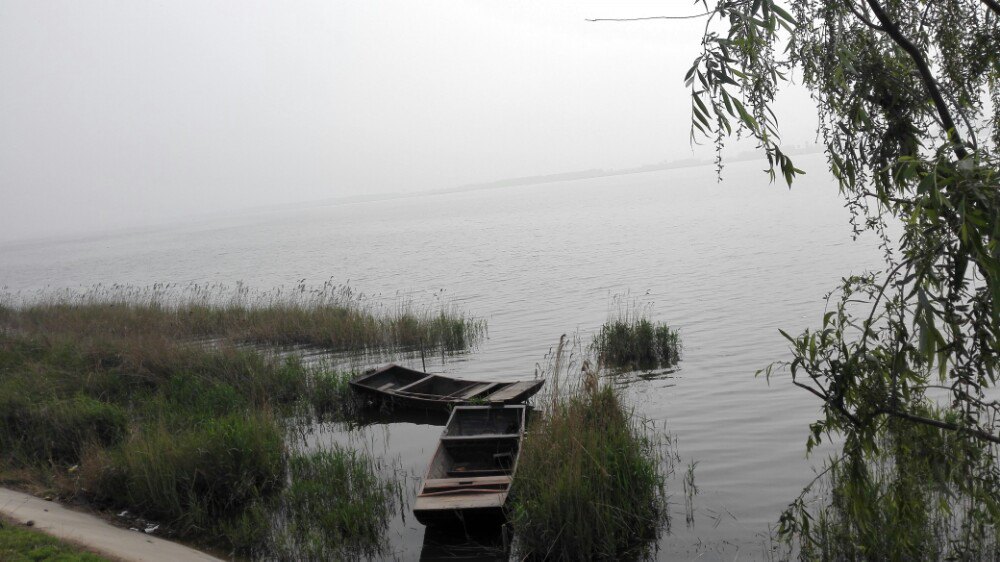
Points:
x=470 y=475
x=416 y=389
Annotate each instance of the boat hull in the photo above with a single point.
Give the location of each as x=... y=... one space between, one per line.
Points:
x=407 y=388
x=470 y=475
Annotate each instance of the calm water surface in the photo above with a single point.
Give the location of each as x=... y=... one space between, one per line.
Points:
x=726 y=263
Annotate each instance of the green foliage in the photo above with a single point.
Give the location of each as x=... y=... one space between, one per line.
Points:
x=919 y=477
x=907 y=95
x=23 y=545
x=589 y=482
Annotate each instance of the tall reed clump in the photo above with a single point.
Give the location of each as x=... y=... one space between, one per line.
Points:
x=590 y=480
x=336 y=506
x=630 y=341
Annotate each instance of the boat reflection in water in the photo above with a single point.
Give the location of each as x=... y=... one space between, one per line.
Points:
x=466 y=542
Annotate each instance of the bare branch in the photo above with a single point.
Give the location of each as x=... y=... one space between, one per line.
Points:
x=993 y=5
x=654 y=18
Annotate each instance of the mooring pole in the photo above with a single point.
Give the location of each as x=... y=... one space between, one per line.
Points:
x=423 y=362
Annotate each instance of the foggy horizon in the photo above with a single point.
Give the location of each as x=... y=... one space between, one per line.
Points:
x=120 y=115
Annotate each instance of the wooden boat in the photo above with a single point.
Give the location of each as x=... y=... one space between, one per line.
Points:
x=416 y=389
x=471 y=472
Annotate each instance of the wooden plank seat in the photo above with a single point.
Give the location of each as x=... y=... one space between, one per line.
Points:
x=484 y=481
x=481 y=437
x=415 y=383
x=512 y=391
x=482 y=388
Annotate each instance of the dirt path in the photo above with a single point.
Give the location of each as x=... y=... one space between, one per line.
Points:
x=93 y=532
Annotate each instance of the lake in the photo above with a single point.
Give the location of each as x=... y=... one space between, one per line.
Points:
x=727 y=264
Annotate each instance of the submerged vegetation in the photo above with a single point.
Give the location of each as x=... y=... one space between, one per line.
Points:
x=161 y=408
x=630 y=341
x=591 y=479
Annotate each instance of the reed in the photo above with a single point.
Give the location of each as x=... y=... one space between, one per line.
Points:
x=336 y=506
x=191 y=479
x=628 y=340
x=590 y=483
x=332 y=317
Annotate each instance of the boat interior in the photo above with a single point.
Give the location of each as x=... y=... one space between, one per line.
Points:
x=392 y=379
x=407 y=381
x=479 y=445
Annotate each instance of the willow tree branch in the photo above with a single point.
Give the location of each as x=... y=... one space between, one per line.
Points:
x=862 y=16
x=985 y=436
x=993 y=5
x=892 y=29
x=691 y=17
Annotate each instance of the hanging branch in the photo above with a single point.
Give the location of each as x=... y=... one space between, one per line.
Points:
x=892 y=29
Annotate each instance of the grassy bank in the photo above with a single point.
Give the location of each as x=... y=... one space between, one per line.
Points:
x=20 y=544
x=629 y=340
x=161 y=408
x=590 y=483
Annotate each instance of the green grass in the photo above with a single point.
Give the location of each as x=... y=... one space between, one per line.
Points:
x=630 y=341
x=126 y=399
x=19 y=544
x=590 y=481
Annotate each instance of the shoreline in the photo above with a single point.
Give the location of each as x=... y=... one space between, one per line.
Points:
x=92 y=533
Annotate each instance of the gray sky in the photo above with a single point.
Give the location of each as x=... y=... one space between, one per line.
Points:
x=127 y=112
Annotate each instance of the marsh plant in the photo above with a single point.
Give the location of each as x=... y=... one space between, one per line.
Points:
x=330 y=316
x=629 y=340
x=591 y=478
x=336 y=506
x=125 y=399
